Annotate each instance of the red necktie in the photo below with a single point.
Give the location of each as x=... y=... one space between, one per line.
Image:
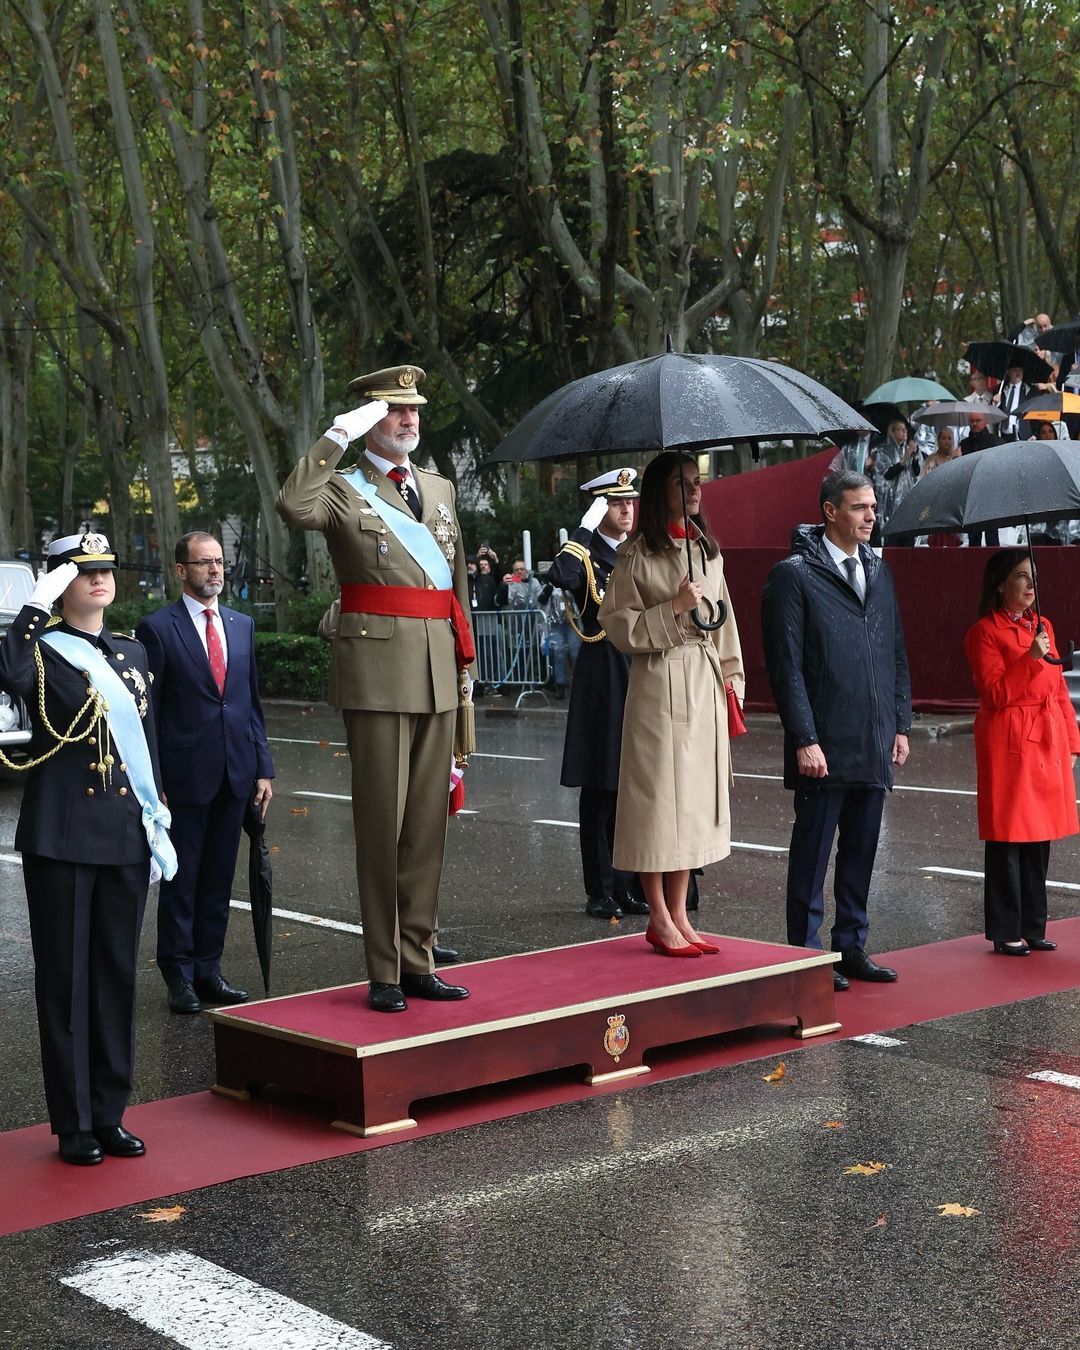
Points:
x=214 y=652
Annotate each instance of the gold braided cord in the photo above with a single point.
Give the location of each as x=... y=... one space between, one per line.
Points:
x=583 y=557
x=95 y=706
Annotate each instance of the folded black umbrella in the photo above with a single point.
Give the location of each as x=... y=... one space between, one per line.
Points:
x=260 y=889
x=995 y=358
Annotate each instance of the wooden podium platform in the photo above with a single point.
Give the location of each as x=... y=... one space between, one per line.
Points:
x=598 y=1005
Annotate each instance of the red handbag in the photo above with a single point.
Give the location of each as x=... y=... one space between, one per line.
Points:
x=736 y=723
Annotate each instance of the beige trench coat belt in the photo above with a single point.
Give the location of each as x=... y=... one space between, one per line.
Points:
x=719 y=704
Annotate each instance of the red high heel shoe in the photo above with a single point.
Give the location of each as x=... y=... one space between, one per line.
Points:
x=707 y=948
x=664 y=950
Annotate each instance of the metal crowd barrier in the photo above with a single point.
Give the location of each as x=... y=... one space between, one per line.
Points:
x=512 y=650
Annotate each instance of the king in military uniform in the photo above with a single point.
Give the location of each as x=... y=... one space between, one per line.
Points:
x=402 y=644
x=93 y=834
x=598 y=691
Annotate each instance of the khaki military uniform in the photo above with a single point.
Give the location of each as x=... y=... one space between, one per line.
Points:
x=396 y=681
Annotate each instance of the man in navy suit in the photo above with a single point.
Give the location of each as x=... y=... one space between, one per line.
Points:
x=214 y=760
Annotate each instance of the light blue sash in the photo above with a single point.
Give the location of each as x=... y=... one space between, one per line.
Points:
x=125 y=728
x=416 y=539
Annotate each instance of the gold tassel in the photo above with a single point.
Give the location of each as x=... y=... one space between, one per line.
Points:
x=465 y=726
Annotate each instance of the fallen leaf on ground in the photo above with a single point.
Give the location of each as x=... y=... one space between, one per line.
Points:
x=341 y=754
x=297 y=810
x=168 y=1214
x=868 y=1169
x=957 y=1211
x=275 y=848
x=613 y=921
x=881 y=1221
x=835 y=1125
x=324 y=745
x=777 y=1073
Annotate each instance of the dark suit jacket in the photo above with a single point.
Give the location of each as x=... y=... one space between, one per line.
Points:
x=205 y=739
x=69 y=811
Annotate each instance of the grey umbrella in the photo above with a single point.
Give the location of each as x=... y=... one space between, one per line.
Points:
x=956 y=413
x=677 y=401
x=1011 y=484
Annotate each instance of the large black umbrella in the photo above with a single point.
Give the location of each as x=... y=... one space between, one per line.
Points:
x=677 y=401
x=260 y=888
x=995 y=358
x=1009 y=484
x=1063 y=337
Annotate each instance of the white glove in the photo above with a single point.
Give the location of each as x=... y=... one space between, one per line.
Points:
x=595 y=514
x=353 y=425
x=50 y=586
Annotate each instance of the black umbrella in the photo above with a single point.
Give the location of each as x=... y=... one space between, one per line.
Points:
x=260 y=888
x=1009 y=484
x=1063 y=337
x=677 y=401
x=995 y=358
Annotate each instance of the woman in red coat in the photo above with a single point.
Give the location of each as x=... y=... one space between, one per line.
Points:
x=1026 y=743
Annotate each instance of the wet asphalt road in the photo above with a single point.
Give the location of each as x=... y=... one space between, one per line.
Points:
x=706 y=1211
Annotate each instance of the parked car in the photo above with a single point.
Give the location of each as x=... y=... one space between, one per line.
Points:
x=16 y=583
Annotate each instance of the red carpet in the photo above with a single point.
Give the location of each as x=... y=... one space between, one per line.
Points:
x=201 y=1140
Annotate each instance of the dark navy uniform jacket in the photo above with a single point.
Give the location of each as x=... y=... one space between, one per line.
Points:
x=69 y=811
x=601 y=674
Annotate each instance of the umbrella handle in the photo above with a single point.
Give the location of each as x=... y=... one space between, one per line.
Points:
x=704 y=624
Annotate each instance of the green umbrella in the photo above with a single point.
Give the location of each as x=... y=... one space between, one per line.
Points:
x=910 y=389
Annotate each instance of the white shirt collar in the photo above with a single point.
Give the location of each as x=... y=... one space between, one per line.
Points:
x=610 y=540
x=839 y=556
x=385 y=465
x=196 y=607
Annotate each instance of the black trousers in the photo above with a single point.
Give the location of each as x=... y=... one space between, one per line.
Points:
x=1014 y=891
x=193 y=908
x=856 y=812
x=85 y=922
x=596 y=816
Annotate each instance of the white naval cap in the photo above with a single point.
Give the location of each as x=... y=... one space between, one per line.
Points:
x=90 y=551
x=616 y=483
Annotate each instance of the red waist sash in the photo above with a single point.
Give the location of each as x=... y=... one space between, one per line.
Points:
x=412 y=602
x=402 y=602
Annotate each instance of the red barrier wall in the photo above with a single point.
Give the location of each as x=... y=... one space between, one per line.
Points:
x=938 y=591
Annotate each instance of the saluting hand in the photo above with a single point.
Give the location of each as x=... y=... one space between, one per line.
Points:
x=687 y=597
x=50 y=586
x=360 y=420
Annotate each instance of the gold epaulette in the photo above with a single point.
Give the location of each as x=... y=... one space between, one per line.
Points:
x=130 y=636
x=582 y=554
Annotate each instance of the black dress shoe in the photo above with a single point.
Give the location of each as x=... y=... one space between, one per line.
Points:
x=856 y=965
x=1041 y=945
x=1010 y=949
x=630 y=904
x=444 y=956
x=117 y=1142
x=430 y=986
x=183 y=998
x=80 y=1148
x=219 y=990
x=602 y=908
x=385 y=997
x=839 y=982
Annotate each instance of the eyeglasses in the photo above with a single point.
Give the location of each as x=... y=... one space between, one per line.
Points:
x=205 y=562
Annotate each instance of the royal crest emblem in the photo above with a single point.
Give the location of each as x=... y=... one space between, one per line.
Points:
x=617 y=1036
x=407 y=378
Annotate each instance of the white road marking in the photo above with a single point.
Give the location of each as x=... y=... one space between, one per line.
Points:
x=898 y=787
x=483 y=754
x=1069 y=1080
x=206 y=1307
x=347 y=797
x=314 y=919
x=11 y=858
x=884 y=1042
x=735 y=843
x=978 y=876
x=295 y=740
x=578 y=1177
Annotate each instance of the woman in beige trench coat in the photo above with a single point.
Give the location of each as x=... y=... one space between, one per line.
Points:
x=675 y=768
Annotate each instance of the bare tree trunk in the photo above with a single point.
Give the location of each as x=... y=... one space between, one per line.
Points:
x=17 y=312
